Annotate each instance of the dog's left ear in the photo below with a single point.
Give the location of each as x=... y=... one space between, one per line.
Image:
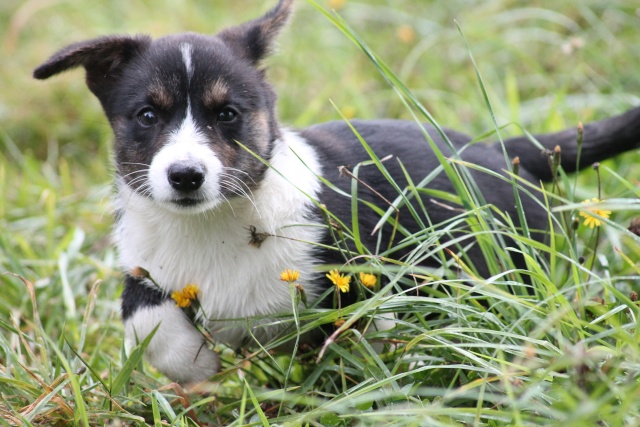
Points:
x=103 y=58
x=254 y=39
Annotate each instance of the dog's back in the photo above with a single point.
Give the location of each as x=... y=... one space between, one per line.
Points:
x=407 y=146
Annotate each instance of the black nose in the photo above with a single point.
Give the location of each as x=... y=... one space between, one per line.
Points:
x=185 y=177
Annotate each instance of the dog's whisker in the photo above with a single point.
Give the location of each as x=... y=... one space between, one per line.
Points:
x=134 y=182
x=230 y=184
x=242 y=172
x=144 y=189
x=235 y=181
x=238 y=180
x=230 y=205
x=240 y=192
x=142 y=171
x=209 y=195
x=136 y=164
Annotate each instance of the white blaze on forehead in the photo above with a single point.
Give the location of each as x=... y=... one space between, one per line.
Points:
x=188 y=132
x=187 y=50
x=188 y=126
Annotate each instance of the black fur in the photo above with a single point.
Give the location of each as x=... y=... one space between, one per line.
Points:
x=138 y=293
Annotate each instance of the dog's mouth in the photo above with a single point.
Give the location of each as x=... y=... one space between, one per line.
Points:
x=187 y=202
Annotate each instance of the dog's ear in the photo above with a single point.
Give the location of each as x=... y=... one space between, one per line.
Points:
x=103 y=59
x=254 y=39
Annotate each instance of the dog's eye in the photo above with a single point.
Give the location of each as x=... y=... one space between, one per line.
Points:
x=147 y=117
x=227 y=115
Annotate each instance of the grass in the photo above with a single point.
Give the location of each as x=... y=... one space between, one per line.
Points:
x=568 y=355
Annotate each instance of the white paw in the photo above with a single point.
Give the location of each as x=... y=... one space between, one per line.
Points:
x=177 y=349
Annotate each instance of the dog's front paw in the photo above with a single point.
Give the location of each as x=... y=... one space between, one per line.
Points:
x=177 y=349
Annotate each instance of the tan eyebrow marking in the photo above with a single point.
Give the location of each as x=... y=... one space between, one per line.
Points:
x=160 y=96
x=216 y=95
x=260 y=131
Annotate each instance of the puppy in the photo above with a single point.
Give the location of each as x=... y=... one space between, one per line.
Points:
x=213 y=191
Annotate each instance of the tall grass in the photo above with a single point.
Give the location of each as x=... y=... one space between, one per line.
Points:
x=463 y=349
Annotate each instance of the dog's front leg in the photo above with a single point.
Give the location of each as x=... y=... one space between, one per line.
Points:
x=177 y=349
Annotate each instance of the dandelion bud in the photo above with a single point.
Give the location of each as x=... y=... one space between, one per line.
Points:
x=140 y=273
x=530 y=351
x=555 y=162
x=337 y=4
x=406 y=34
x=516 y=165
x=575 y=224
x=580 y=139
x=301 y=293
x=634 y=227
x=344 y=171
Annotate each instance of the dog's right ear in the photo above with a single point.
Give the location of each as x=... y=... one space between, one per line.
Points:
x=103 y=59
x=254 y=39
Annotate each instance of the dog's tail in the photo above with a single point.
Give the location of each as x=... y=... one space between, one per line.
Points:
x=601 y=140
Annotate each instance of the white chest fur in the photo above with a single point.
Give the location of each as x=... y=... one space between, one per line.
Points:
x=212 y=249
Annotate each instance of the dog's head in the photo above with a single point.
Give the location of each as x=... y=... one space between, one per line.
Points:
x=180 y=104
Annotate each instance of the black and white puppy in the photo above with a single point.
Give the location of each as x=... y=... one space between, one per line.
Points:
x=188 y=111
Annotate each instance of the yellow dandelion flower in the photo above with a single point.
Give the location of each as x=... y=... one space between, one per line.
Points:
x=406 y=34
x=341 y=281
x=184 y=297
x=337 y=4
x=590 y=220
x=368 y=280
x=289 y=275
x=191 y=291
x=180 y=299
x=349 y=111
